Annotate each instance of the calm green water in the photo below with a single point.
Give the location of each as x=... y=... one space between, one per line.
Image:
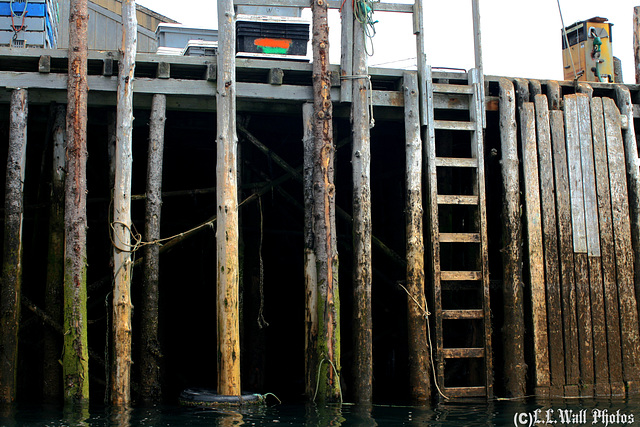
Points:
x=603 y=412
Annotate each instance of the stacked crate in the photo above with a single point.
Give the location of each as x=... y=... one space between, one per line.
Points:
x=29 y=23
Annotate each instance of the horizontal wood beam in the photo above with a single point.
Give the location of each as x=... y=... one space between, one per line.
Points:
x=378 y=7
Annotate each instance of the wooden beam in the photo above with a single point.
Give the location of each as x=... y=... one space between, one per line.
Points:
x=622 y=230
x=565 y=240
x=227 y=271
x=10 y=290
x=542 y=379
x=346 y=52
x=550 y=241
x=636 y=42
x=607 y=249
x=151 y=352
x=75 y=360
x=419 y=384
x=513 y=285
x=122 y=249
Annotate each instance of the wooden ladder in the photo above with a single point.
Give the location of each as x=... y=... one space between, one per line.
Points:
x=458 y=229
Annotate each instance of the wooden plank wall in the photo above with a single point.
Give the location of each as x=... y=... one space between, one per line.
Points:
x=580 y=266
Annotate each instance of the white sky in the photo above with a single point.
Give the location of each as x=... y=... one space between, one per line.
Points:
x=519 y=38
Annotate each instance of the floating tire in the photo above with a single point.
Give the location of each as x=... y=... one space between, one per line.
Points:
x=201 y=397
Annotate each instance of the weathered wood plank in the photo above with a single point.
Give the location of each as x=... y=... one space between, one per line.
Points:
x=565 y=240
x=585 y=330
x=593 y=246
x=542 y=379
x=575 y=173
x=419 y=386
x=607 y=248
x=513 y=285
x=588 y=176
x=620 y=210
x=535 y=89
x=551 y=262
x=346 y=52
x=522 y=92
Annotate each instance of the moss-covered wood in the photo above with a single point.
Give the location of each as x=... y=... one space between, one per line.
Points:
x=12 y=249
x=54 y=288
x=75 y=360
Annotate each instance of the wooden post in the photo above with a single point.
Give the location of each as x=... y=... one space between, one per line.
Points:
x=52 y=389
x=121 y=370
x=622 y=229
x=12 y=252
x=151 y=352
x=633 y=176
x=580 y=241
x=551 y=261
x=361 y=163
x=310 y=273
x=607 y=249
x=636 y=41
x=565 y=240
x=419 y=385
x=554 y=95
x=75 y=361
x=346 y=52
x=324 y=212
x=227 y=201
x=513 y=286
x=477 y=43
x=536 y=256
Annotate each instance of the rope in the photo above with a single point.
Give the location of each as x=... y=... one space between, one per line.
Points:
x=363 y=12
x=372 y=121
x=566 y=40
x=23 y=16
x=335 y=371
x=426 y=314
x=261 y=322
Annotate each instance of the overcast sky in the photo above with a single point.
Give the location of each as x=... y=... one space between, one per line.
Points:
x=519 y=38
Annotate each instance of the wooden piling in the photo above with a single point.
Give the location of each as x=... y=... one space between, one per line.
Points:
x=623 y=97
x=513 y=285
x=554 y=95
x=227 y=271
x=151 y=351
x=580 y=245
x=75 y=361
x=346 y=52
x=310 y=273
x=550 y=241
x=12 y=250
x=636 y=42
x=52 y=381
x=419 y=384
x=361 y=164
x=542 y=379
x=593 y=245
x=565 y=240
x=122 y=307
x=620 y=209
x=607 y=249
x=324 y=213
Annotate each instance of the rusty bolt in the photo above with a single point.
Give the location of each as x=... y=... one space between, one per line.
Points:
x=323 y=45
x=321 y=114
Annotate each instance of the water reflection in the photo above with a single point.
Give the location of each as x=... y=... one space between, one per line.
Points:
x=324 y=415
x=363 y=416
x=76 y=414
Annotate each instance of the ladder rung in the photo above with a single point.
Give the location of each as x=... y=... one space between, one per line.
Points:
x=462 y=314
x=460 y=275
x=449 y=88
x=463 y=353
x=465 y=391
x=460 y=237
x=459 y=162
x=457 y=200
x=454 y=125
